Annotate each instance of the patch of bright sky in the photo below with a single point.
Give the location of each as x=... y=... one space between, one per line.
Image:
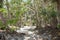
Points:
x=25 y=0
x=9 y=0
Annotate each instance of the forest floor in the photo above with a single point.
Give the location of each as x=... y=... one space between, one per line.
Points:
x=44 y=34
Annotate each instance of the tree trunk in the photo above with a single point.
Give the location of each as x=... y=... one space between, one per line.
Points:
x=54 y=22
x=58 y=9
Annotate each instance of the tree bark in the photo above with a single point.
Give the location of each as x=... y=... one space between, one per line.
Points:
x=58 y=9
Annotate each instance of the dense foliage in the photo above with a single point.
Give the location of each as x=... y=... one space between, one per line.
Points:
x=29 y=12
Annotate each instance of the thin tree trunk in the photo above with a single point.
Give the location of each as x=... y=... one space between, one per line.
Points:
x=54 y=22
x=58 y=8
x=7 y=5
